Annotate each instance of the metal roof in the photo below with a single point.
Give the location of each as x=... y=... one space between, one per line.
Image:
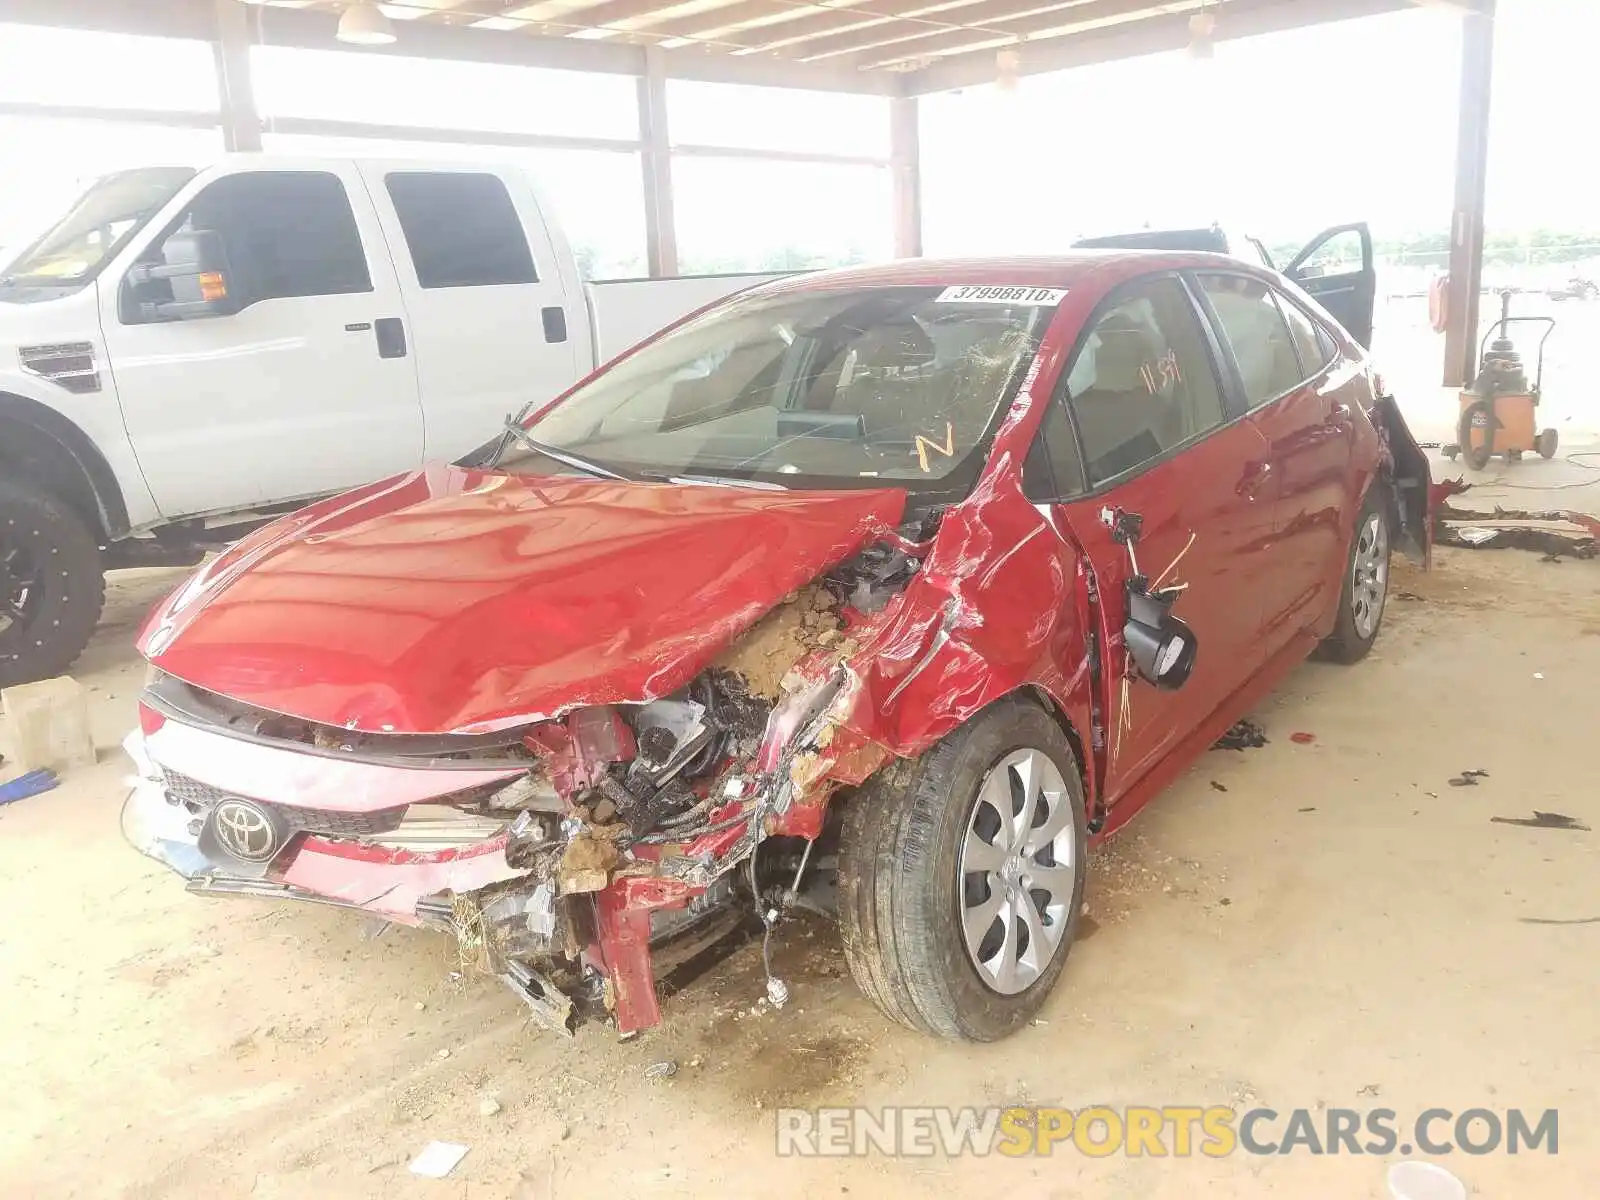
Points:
x=883 y=46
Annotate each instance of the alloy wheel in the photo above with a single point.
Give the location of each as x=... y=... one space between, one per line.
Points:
x=21 y=587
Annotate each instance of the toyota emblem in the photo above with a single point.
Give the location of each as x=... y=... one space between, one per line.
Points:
x=246 y=831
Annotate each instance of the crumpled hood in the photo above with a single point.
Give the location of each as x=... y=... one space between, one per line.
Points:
x=456 y=600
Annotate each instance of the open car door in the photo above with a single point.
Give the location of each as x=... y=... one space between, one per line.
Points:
x=1336 y=268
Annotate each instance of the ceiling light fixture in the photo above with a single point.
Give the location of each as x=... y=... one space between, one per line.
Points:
x=1007 y=64
x=365 y=25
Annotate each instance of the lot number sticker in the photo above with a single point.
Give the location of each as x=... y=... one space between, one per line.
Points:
x=972 y=293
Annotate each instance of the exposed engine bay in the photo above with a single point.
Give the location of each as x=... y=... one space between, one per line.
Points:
x=581 y=859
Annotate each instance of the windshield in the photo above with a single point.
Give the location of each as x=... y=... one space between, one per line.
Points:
x=835 y=389
x=96 y=226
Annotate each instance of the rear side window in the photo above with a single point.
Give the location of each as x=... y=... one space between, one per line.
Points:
x=1312 y=349
x=1143 y=381
x=1258 y=334
x=461 y=228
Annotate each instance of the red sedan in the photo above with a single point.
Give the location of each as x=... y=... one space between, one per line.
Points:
x=927 y=575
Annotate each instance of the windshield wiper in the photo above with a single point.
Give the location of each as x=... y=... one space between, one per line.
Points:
x=759 y=485
x=516 y=430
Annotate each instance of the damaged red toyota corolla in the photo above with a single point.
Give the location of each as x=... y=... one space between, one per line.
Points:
x=874 y=573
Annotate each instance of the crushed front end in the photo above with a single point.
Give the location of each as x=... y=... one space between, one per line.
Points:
x=579 y=858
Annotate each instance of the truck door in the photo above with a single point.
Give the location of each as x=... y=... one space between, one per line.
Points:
x=497 y=310
x=1337 y=269
x=293 y=378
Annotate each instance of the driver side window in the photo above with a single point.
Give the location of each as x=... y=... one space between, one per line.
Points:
x=1143 y=382
x=287 y=234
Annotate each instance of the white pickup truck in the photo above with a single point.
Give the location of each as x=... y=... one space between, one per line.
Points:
x=186 y=352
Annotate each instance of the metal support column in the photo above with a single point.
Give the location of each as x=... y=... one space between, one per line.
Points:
x=230 y=49
x=905 y=161
x=1466 y=222
x=660 y=230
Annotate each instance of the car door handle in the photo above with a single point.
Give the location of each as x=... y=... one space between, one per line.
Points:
x=391 y=334
x=555 y=323
x=1255 y=476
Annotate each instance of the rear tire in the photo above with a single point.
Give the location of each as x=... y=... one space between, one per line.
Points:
x=51 y=585
x=1365 y=587
x=957 y=918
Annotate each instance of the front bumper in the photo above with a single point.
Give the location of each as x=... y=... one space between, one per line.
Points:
x=592 y=925
x=348 y=874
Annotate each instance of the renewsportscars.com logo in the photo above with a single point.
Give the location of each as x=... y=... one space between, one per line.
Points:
x=1158 y=1132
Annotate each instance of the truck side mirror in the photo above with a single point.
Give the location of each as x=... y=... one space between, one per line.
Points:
x=190 y=281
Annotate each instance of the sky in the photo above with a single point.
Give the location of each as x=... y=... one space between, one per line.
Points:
x=1277 y=136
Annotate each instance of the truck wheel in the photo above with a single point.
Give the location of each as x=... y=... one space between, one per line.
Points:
x=1547 y=442
x=961 y=876
x=1365 y=587
x=51 y=586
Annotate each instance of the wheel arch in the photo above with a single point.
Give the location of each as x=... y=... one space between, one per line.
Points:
x=1080 y=748
x=39 y=445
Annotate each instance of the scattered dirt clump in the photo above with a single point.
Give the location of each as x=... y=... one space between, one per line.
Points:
x=586 y=864
x=807 y=620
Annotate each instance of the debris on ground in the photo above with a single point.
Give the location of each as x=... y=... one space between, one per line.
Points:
x=32 y=784
x=1544 y=820
x=1302 y=739
x=1417 y=1180
x=438 y=1159
x=1308 y=808
x=1468 y=778
x=1217 y=787
x=1553 y=533
x=488 y=1105
x=665 y=1069
x=1559 y=920
x=1243 y=734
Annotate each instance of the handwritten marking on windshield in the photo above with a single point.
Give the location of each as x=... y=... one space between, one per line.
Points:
x=924 y=444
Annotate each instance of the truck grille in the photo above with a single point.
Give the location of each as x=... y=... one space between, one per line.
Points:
x=199 y=798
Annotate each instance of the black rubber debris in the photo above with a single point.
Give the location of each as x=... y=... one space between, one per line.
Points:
x=1544 y=820
x=1217 y=787
x=1241 y=735
x=1468 y=778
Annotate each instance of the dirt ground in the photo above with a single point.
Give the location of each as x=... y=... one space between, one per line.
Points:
x=1339 y=927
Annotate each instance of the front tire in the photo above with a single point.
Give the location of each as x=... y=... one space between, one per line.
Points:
x=1365 y=589
x=51 y=585
x=961 y=876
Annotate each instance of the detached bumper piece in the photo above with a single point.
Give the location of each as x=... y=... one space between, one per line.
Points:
x=552 y=1009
